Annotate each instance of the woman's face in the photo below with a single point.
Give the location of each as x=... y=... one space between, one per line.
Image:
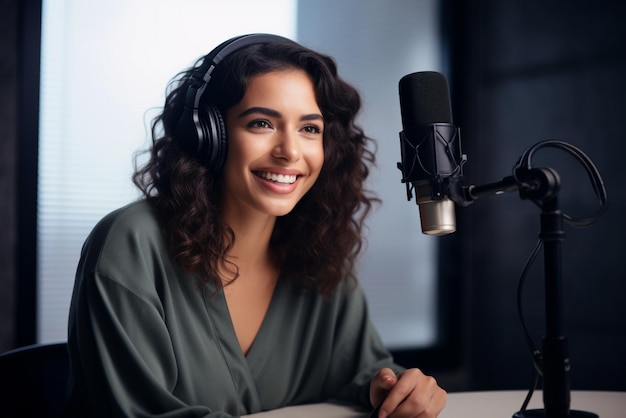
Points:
x=275 y=146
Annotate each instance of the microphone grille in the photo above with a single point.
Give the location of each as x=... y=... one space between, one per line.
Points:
x=424 y=99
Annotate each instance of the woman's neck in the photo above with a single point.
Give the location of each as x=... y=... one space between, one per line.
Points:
x=251 y=250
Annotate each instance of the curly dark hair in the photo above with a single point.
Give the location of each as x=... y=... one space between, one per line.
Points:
x=317 y=243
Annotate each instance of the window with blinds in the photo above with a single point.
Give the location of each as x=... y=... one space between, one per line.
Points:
x=105 y=66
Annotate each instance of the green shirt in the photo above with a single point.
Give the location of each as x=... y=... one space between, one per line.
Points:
x=146 y=340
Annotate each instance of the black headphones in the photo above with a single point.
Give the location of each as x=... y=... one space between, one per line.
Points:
x=204 y=135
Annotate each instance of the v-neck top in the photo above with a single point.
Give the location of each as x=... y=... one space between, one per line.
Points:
x=146 y=340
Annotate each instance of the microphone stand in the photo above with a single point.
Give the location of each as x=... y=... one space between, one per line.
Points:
x=541 y=185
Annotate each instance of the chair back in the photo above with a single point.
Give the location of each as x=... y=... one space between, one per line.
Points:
x=33 y=381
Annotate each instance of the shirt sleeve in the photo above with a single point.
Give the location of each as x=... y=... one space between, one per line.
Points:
x=358 y=351
x=122 y=360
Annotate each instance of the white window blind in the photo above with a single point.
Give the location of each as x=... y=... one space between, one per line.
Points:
x=105 y=64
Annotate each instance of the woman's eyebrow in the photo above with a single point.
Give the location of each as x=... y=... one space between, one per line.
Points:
x=262 y=110
x=312 y=116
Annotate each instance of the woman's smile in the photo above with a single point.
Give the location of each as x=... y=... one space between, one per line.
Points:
x=277 y=177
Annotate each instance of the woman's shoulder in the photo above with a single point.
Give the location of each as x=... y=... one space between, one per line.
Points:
x=129 y=231
x=135 y=215
x=128 y=247
x=139 y=217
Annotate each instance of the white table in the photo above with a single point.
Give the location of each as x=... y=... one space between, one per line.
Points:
x=505 y=403
x=319 y=410
x=495 y=404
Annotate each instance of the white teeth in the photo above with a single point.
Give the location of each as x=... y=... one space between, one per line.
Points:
x=279 y=178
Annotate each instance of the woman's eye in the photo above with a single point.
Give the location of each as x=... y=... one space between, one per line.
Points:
x=312 y=129
x=260 y=124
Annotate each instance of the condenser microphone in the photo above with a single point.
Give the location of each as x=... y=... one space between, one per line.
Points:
x=430 y=147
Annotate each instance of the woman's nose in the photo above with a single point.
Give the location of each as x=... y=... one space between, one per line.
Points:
x=287 y=147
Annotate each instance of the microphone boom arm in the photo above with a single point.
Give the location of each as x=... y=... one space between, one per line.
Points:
x=536 y=184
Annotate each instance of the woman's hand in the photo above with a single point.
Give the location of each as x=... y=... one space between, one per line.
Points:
x=411 y=394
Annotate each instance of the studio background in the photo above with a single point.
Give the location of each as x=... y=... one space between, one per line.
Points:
x=520 y=72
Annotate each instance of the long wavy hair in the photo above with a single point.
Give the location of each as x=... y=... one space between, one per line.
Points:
x=317 y=243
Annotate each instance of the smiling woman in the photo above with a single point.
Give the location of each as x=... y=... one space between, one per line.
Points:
x=96 y=95
x=226 y=291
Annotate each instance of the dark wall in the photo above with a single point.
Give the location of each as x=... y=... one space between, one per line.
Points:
x=8 y=167
x=19 y=112
x=523 y=72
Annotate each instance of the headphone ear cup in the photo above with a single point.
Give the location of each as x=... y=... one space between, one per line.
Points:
x=204 y=138
x=213 y=147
